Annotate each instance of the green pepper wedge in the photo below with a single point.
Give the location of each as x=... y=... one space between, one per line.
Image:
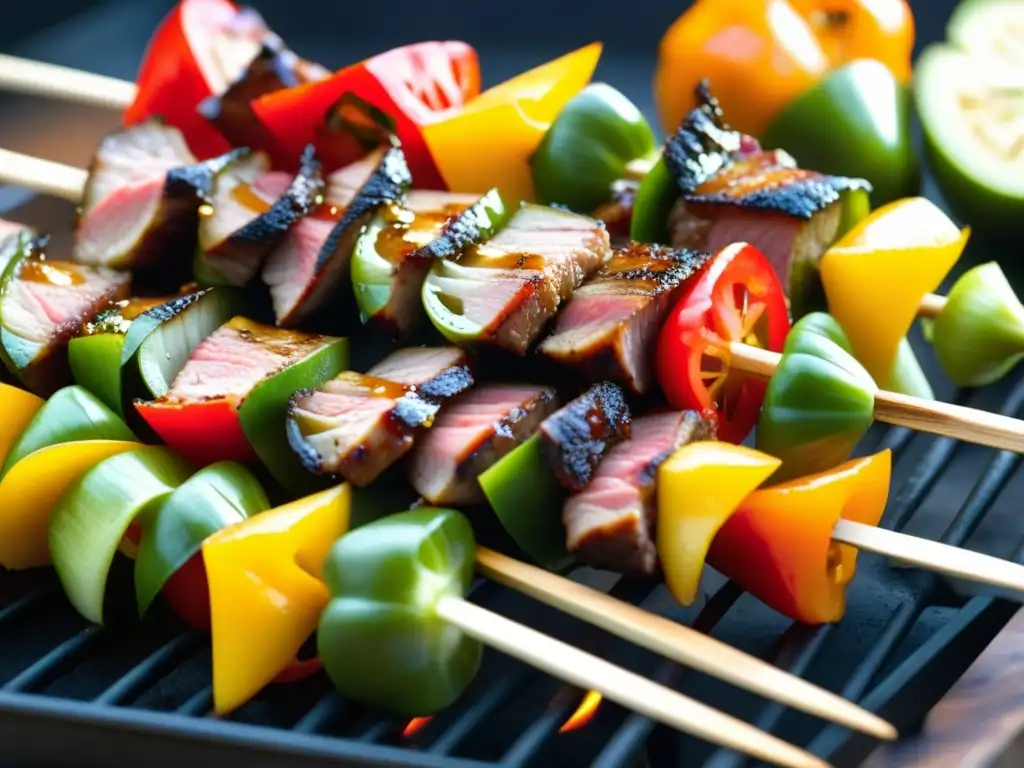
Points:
x=527 y=499
x=172 y=532
x=380 y=640
x=71 y=414
x=92 y=516
x=397 y=248
x=819 y=402
x=588 y=147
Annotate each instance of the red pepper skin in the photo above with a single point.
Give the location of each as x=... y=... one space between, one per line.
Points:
x=778 y=545
x=203 y=433
x=415 y=85
x=735 y=297
x=171 y=82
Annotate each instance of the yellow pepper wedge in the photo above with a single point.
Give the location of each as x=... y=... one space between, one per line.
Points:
x=266 y=595
x=489 y=142
x=877 y=274
x=687 y=522
x=16 y=412
x=30 y=490
x=778 y=544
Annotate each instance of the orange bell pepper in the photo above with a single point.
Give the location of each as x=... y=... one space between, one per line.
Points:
x=778 y=545
x=914 y=245
x=761 y=54
x=688 y=521
x=266 y=595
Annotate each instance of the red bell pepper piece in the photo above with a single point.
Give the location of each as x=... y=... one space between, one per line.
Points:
x=413 y=86
x=216 y=421
x=778 y=545
x=198 y=50
x=735 y=297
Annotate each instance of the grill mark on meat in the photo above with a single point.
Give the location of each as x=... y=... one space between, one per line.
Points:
x=142 y=200
x=357 y=425
x=240 y=252
x=608 y=328
x=611 y=523
x=297 y=302
x=576 y=438
x=471 y=435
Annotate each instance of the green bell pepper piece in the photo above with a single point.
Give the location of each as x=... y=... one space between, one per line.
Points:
x=586 y=150
x=172 y=532
x=71 y=414
x=380 y=639
x=94 y=513
x=382 y=282
x=654 y=200
x=854 y=122
x=979 y=334
x=527 y=499
x=819 y=402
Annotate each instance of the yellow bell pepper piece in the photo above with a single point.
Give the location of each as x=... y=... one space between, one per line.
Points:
x=876 y=276
x=266 y=595
x=489 y=142
x=30 y=490
x=17 y=409
x=725 y=474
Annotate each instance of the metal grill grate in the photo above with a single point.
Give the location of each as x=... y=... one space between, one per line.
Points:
x=140 y=694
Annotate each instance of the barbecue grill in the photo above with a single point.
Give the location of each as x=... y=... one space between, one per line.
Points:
x=140 y=693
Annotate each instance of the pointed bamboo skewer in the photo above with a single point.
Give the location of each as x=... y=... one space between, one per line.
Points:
x=53 y=81
x=68 y=182
x=629 y=689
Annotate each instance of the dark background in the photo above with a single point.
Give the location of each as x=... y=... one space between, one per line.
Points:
x=510 y=36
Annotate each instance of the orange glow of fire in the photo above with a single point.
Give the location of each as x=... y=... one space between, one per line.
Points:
x=584 y=712
x=415 y=725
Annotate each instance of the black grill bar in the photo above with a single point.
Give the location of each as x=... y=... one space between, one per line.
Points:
x=60 y=658
x=26 y=603
x=148 y=671
x=495 y=696
x=323 y=713
x=199 y=703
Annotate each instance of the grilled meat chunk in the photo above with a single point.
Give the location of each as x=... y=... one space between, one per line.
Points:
x=42 y=305
x=505 y=291
x=471 y=435
x=142 y=200
x=577 y=437
x=274 y=68
x=11 y=234
x=357 y=425
x=609 y=327
x=252 y=210
x=314 y=258
x=610 y=523
x=733 y=191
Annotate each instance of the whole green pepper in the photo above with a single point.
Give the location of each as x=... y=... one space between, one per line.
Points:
x=586 y=150
x=380 y=639
x=172 y=532
x=819 y=402
x=71 y=414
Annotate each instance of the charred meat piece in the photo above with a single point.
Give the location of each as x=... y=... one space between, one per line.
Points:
x=142 y=200
x=42 y=305
x=609 y=328
x=610 y=523
x=579 y=435
x=357 y=425
x=274 y=68
x=314 y=257
x=505 y=291
x=251 y=211
x=733 y=191
x=471 y=435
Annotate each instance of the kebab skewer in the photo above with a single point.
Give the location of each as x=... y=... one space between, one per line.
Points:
x=159 y=485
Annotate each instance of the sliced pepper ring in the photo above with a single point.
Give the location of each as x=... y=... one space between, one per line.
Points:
x=735 y=297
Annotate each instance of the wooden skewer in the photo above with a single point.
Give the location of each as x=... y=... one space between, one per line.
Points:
x=678 y=642
x=957 y=421
x=44 y=176
x=55 y=82
x=637 y=693
x=67 y=84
